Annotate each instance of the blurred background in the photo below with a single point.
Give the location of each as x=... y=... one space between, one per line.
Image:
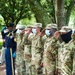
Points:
x=28 y=12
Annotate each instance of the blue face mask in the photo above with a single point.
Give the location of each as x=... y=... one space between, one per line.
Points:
x=34 y=31
x=19 y=31
x=47 y=32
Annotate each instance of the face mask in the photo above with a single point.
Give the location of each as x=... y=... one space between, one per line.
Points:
x=18 y=31
x=47 y=32
x=66 y=37
x=34 y=31
x=6 y=31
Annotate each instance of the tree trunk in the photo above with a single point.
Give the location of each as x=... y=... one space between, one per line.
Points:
x=59 y=10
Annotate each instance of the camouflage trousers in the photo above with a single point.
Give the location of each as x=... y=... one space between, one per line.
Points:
x=60 y=60
x=21 y=70
x=36 y=69
x=50 y=69
x=28 y=67
x=50 y=64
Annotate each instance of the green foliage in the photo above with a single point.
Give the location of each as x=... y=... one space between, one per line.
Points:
x=1 y=45
x=2 y=23
x=27 y=21
x=73 y=16
x=14 y=10
x=48 y=6
x=67 y=3
x=1 y=20
x=22 y=10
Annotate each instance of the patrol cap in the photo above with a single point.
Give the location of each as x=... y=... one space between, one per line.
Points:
x=37 y=25
x=19 y=26
x=65 y=29
x=10 y=24
x=26 y=28
x=49 y=26
x=29 y=26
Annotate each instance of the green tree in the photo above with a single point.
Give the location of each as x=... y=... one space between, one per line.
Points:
x=45 y=11
x=14 y=10
x=63 y=11
x=52 y=11
x=69 y=6
x=73 y=16
x=60 y=15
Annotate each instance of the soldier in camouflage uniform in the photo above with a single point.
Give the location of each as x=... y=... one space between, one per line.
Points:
x=73 y=53
x=68 y=66
x=19 y=59
x=65 y=34
x=36 y=48
x=50 y=50
x=26 y=45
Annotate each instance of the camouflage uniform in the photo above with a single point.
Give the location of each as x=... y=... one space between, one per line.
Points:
x=60 y=58
x=50 y=55
x=63 y=59
x=20 y=59
x=68 y=64
x=36 y=52
x=50 y=50
x=26 y=45
x=73 y=38
x=64 y=55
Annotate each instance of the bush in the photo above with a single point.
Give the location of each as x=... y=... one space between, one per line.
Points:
x=1 y=45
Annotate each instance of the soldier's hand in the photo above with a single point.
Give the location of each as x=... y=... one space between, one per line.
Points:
x=57 y=34
x=23 y=31
x=42 y=33
x=41 y=64
x=29 y=31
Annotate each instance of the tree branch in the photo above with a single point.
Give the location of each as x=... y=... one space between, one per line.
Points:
x=69 y=9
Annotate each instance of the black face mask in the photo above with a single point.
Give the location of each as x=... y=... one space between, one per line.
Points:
x=66 y=37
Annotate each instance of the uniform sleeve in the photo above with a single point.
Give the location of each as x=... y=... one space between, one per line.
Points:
x=25 y=37
x=54 y=43
x=73 y=72
x=42 y=47
x=39 y=50
x=44 y=38
x=30 y=37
